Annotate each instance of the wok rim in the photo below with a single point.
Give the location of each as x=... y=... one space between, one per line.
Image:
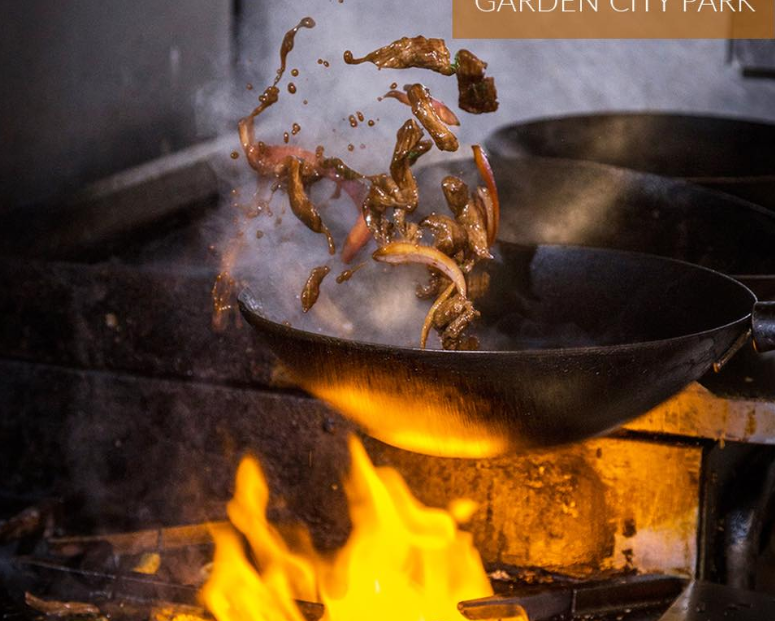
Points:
x=246 y=299
x=655 y=114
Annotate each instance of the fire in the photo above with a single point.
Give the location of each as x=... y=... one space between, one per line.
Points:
x=403 y=561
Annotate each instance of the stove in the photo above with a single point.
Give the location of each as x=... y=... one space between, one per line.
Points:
x=125 y=415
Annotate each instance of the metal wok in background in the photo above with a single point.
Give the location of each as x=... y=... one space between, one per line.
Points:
x=586 y=339
x=731 y=155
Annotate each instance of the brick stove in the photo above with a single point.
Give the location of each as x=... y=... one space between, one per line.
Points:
x=124 y=416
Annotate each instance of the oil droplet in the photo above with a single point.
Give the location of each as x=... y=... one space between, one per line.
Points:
x=351 y=147
x=295 y=128
x=360 y=116
x=286 y=137
x=294 y=72
x=291 y=88
x=249 y=86
x=371 y=122
x=234 y=155
x=353 y=121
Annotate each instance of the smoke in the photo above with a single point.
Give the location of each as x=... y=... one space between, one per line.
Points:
x=335 y=106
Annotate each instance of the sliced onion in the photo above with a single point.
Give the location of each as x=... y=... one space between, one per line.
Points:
x=441 y=109
x=485 y=170
x=484 y=200
x=357 y=238
x=405 y=252
x=426 y=326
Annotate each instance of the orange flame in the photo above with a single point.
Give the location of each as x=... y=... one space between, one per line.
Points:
x=403 y=560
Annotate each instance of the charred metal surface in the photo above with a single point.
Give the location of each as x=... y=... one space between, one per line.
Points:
x=698 y=413
x=589 y=600
x=140 y=452
x=591 y=507
x=703 y=601
x=152 y=321
x=736 y=521
x=101 y=586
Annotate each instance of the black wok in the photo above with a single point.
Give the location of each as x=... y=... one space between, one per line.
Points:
x=581 y=340
x=732 y=155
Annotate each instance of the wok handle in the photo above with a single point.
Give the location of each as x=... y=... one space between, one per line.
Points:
x=763 y=326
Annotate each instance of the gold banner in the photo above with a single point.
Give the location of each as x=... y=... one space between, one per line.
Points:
x=613 y=19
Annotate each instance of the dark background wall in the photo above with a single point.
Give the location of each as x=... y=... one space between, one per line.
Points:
x=95 y=86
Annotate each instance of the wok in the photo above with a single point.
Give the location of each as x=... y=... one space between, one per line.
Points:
x=726 y=154
x=576 y=341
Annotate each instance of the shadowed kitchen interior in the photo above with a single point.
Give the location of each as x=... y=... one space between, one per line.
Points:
x=124 y=414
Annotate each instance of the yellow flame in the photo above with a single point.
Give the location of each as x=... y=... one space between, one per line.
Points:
x=433 y=421
x=403 y=561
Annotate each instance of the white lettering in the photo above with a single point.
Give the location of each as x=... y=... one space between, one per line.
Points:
x=745 y=2
x=507 y=3
x=528 y=3
x=542 y=9
x=613 y=6
x=664 y=6
x=592 y=5
x=687 y=3
x=704 y=3
x=490 y=10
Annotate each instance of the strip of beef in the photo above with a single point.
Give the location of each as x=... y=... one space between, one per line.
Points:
x=396 y=191
x=448 y=235
x=477 y=94
x=311 y=291
x=301 y=206
x=409 y=52
x=422 y=108
x=468 y=215
x=452 y=318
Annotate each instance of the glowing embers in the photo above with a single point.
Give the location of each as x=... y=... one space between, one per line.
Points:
x=402 y=561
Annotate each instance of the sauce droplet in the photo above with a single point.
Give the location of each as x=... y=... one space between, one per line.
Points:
x=360 y=116
x=351 y=147
x=249 y=86
x=294 y=72
x=295 y=129
x=394 y=85
x=371 y=123
x=291 y=88
x=353 y=121
x=234 y=155
x=259 y=234
x=287 y=45
x=286 y=137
